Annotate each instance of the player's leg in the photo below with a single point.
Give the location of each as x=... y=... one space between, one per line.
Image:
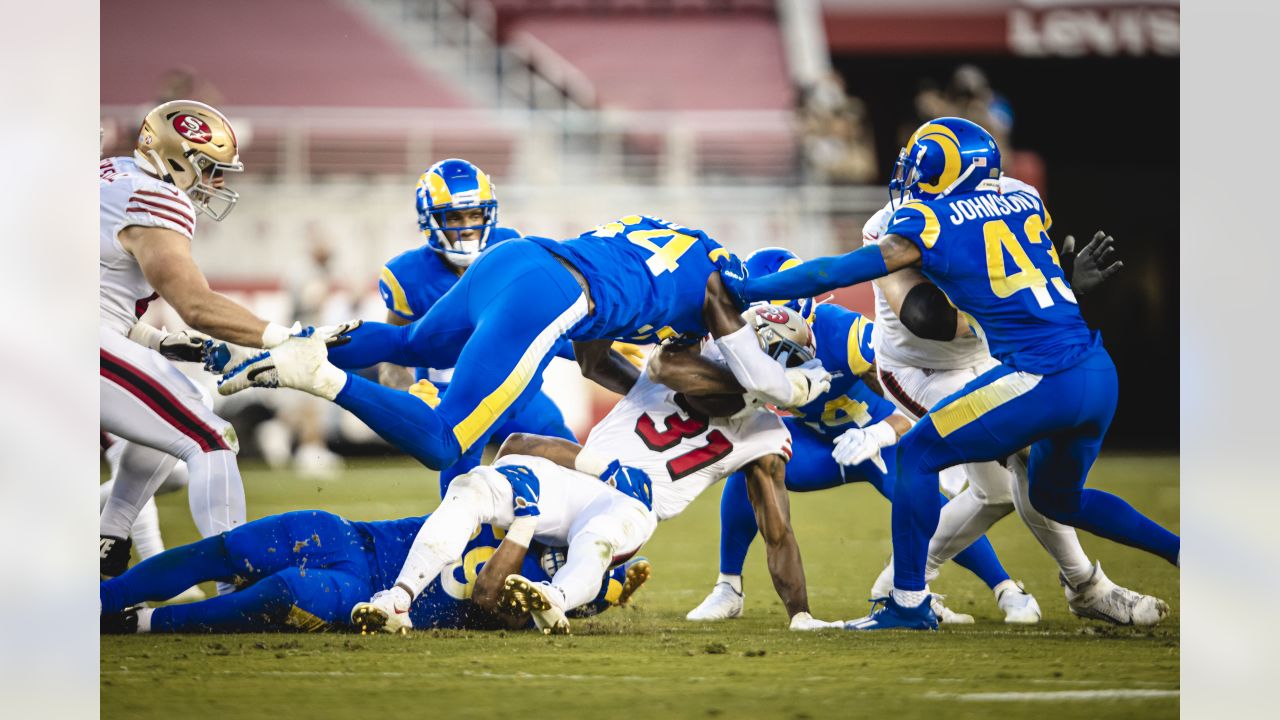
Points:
x=522 y=302
x=1061 y=541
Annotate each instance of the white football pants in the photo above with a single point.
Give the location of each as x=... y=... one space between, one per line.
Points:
x=601 y=526
x=150 y=403
x=982 y=493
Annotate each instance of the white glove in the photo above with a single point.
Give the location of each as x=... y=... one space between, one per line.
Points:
x=857 y=445
x=808 y=381
x=222 y=357
x=803 y=621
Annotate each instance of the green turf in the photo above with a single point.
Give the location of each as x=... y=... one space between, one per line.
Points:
x=647 y=660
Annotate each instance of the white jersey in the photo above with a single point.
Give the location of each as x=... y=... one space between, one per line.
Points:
x=128 y=196
x=683 y=452
x=895 y=344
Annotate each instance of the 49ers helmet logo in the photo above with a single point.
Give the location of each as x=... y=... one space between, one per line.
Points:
x=192 y=128
x=772 y=314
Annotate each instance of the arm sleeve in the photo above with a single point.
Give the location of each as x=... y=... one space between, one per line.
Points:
x=756 y=371
x=818 y=276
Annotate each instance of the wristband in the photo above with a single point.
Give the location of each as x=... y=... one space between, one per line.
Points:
x=590 y=463
x=521 y=531
x=274 y=335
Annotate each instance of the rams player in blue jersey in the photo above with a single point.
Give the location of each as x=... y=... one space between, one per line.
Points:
x=843 y=342
x=458 y=215
x=306 y=570
x=639 y=279
x=1055 y=388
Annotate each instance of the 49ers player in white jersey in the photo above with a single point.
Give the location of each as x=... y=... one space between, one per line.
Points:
x=653 y=429
x=918 y=369
x=148 y=206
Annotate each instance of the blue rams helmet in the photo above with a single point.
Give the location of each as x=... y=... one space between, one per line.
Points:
x=455 y=184
x=767 y=261
x=945 y=156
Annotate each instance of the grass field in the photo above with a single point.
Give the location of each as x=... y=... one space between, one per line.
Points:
x=646 y=660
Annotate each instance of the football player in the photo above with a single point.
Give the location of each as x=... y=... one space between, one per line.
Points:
x=148 y=208
x=458 y=214
x=927 y=352
x=843 y=339
x=639 y=279
x=305 y=570
x=656 y=451
x=1054 y=388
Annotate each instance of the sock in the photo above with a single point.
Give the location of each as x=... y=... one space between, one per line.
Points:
x=144 y=619
x=403 y=420
x=260 y=607
x=167 y=574
x=734 y=581
x=737 y=525
x=146 y=531
x=216 y=493
x=132 y=487
x=909 y=598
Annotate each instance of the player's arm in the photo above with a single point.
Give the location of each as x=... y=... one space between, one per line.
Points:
x=506 y=560
x=390 y=374
x=921 y=306
x=558 y=450
x=165 y=258
x=607 y=367
x=821 y=275
x=708 y=386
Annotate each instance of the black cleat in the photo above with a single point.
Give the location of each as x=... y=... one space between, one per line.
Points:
x=121 y=623
x=113 y=555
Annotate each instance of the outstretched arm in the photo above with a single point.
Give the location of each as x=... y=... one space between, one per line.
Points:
x=820 y=275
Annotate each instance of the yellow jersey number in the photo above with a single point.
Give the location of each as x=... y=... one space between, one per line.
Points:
x=666 y=257
x=999 y=239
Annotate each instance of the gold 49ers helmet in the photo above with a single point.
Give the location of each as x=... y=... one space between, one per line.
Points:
x=191 y=145
x=783 y=333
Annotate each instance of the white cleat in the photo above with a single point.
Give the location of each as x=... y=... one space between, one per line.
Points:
x=947 y=616
x=1098 y=598
x=884 y=582
x=1019 y=606
x=540 y=600
x=299 y=362
x=723 y=603
x=381 y=614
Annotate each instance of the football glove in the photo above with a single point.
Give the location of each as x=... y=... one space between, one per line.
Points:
x=186 y=346
x=1089 y=266
x=524 y=489
x=857 y=445
x=630 y=481
x=632 y=353
x=808 y=381
x=733 y=273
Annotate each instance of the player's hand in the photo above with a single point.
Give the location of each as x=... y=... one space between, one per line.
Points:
x=1092 y=265
x=525 y=489
x=633 y=353
x=630 y=481
x=186 y=346
x=733 y=273
x=858 y=445
x=337 y=335
x=803 y=621
x=222 y=357
x=808 y=381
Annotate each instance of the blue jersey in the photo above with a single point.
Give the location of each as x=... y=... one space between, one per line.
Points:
x=843 y=338
x=990 y=253
x=648 y=278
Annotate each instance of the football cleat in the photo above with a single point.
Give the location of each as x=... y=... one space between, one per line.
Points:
x=113 y=555
x=537 y=599
x=380 y=614
x=638 y=571
x=892 y=616
x=301 y=362
x=1098 y=598
x=1019 y=606
x=946 y=615
x=724 y=603
x=124 y=622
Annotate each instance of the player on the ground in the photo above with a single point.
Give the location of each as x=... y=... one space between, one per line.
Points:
x=843 y=339
x=148 y=207
x=639 y=279
x=305 y=570
x=657 y=450
x=1055 y=387
x=927 y=352
x=458 y=214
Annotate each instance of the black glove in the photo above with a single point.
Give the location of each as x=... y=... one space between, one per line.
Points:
x=1089 y=267
x=186 y=346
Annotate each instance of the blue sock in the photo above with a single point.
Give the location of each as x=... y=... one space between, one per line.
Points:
x=261 y=607
x=167 y=574
x=402 y=420
x=737 y=524
x=1109 y=516
x=372 y=343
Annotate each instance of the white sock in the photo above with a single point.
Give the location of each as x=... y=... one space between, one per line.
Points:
x=1061 y=541
x=146 y=531
x=216 y=492
x=144 y=619
x=909 y=598
x=734 y=581
x=140 y=471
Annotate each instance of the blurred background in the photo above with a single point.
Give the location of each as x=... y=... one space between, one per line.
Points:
x=762 y=122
